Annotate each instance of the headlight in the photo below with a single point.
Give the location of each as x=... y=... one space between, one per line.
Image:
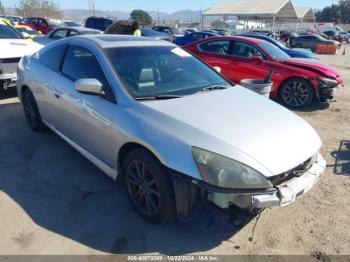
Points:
x=328 y=82
x=221 y=171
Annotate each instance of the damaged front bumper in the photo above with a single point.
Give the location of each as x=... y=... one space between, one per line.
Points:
x=280 y=195
x=326 y=88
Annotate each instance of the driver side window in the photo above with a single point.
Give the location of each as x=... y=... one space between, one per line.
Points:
x=80 y=63
x=220 y=47
x=245 y=50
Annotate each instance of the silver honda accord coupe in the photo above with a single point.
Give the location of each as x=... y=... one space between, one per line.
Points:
x=168 y=125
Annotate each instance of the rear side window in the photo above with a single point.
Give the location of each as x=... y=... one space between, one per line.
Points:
x=52 y=57
x=81 y=63
x=90 y=22
x=98 y=23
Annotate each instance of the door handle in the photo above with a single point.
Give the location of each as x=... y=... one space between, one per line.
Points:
x=56 y=95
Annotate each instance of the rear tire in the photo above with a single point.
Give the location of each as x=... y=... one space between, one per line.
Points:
x=149 y=187
x=31 y=111
x=296 y=93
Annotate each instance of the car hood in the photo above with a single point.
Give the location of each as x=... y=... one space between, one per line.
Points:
x=247 y=123
x=313 y=65
x=11 y=48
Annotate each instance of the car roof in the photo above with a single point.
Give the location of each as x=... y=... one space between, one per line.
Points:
x=82 y=29
x=110 y=41
x=242 y=38
x=255 y=36
x=101 y=17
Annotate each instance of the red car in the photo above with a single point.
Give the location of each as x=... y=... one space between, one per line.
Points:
x=43 y=25
x=296 y=81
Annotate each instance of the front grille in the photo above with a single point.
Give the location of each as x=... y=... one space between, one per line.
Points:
x=295 y=172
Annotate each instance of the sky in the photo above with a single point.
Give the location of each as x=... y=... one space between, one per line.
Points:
x=161 y=5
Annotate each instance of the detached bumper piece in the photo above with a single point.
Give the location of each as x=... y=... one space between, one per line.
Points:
x=284 y=194
x=326 y=89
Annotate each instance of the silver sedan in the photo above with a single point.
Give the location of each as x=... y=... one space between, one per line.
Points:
x=172 y=128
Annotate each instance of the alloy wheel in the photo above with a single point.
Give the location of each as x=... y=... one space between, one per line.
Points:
x=30 y=110
x=143 y=188
x=295 y=94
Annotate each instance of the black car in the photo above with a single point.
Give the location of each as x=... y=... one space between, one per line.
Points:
x=99 y=23
x=333 y=35
x=311 y=42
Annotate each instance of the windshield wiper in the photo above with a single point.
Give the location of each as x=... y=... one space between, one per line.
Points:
x=212 y=88
x=157 y=97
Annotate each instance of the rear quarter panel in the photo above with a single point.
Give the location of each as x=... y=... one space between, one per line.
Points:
x=37 y=77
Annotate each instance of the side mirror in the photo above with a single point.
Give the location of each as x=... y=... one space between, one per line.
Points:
x=257 y=60
x=89 y=86
x=217 y=69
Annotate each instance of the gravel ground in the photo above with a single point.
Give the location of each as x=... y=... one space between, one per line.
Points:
x=53 y=201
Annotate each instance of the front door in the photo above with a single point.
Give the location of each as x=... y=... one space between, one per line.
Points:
x=245 y=66
x=85 y=119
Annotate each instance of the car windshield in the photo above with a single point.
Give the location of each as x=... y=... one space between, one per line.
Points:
x=278 y=43
x=274 y=51
x=162 y=71
x=7 y=32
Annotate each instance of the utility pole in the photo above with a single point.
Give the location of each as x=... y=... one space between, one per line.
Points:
x=91 y=4
x=157 y=16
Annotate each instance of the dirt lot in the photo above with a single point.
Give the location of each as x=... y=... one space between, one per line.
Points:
x=53 y=201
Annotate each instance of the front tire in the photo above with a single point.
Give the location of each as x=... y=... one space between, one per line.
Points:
x=31 y=111
x=296 y=93
x=149 y=187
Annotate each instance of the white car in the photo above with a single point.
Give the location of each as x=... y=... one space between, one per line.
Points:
x=13 y=48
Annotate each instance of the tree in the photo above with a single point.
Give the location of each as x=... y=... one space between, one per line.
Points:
x=2 y=9
x=142 y=16
x=339 y=13
x=344 y=9
x=44 y=8
x=329 y=13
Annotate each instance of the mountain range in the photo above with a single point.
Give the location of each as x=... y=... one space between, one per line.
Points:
x=81 y=14
x=184 y=15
